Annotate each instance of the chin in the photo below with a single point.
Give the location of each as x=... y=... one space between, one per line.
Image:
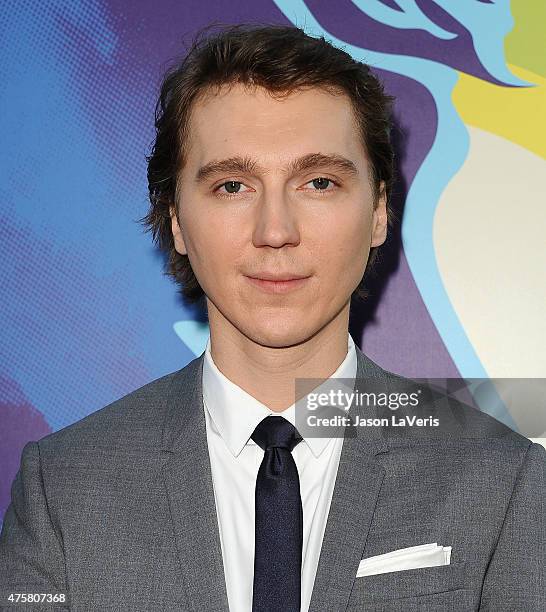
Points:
x=278 y=334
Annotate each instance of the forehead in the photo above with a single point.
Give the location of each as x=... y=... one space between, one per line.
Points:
x=240 y=120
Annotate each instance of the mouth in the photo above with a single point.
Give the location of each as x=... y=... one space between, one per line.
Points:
x=278 y=285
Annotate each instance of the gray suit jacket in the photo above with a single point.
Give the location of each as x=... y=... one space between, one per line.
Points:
x=118 y=511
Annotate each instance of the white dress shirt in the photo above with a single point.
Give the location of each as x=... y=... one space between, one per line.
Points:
x=231 y=416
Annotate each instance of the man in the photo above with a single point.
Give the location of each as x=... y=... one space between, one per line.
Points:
x=269 y=185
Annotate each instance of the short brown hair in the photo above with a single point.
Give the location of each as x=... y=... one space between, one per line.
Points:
x=280 y=59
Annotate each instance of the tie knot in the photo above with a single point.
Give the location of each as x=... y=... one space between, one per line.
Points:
x=276 y=432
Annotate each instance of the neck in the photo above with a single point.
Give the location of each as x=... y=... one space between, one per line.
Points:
x=268 y=372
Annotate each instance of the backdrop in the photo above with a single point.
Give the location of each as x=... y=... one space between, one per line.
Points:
x=87 y=315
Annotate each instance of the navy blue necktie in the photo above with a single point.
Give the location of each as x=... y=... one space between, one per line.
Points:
x=279 y=520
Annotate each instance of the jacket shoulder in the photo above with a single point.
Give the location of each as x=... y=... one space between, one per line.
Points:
x=135 y=420
x=458 y=420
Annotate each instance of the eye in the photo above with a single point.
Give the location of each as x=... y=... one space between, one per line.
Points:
x=231 y=188
x=321 y=184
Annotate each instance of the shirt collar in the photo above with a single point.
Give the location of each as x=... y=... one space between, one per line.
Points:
x=235 y=413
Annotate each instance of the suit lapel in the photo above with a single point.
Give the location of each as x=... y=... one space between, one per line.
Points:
x=188 y=480
x=357 y=487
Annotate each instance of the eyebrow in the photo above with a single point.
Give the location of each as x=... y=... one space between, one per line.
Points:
x=247 y=165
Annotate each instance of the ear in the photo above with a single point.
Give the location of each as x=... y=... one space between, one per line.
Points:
x=379 y=218
x=179 y=244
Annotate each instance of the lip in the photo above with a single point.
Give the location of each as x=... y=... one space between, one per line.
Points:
x=278 y=285
x=278 y=276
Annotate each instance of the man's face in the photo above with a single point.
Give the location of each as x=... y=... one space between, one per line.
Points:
x=273 y=215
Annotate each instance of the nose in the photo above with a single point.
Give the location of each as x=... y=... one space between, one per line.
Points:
x=275 y=223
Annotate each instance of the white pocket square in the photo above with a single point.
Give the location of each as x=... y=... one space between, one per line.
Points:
x=425 y=555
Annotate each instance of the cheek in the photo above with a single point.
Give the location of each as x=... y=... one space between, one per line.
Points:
x=213 y=241
x=345 y=242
